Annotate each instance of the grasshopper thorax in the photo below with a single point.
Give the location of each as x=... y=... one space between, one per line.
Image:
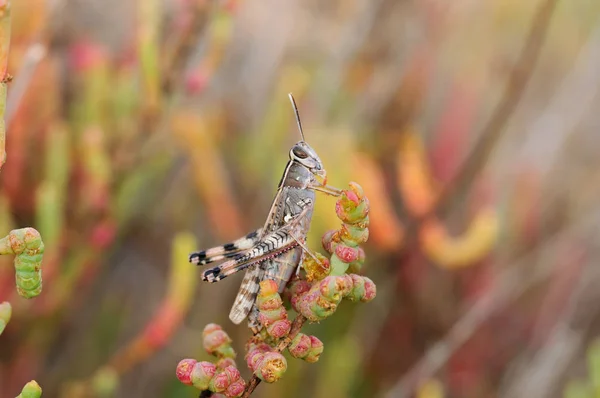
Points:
x=303 y=154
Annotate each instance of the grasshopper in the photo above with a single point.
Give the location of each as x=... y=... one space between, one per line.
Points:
x=276 y=250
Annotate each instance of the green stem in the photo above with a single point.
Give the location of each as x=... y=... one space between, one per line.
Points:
x=4 y=77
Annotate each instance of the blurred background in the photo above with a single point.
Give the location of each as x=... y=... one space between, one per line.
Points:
x=473 y=127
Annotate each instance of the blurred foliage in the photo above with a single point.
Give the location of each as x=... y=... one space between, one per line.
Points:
x=25 y=243
x=129 y=122
x=591 y=387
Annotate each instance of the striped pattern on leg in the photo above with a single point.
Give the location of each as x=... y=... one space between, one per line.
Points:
x=271 y=246
x=227 y=250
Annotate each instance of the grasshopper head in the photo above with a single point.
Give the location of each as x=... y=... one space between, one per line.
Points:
x=302 y=153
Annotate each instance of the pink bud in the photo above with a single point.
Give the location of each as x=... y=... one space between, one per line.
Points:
x=184 y=370
x=279 y=328
x=217 y=342
x=370 y=290
x=352 y=207
x=315 y=342
x=202 y=374
x=267 y=318
x=300 y=345
x=329 y=238
x=211 y=327
x=361 y=255
x=351 y=195
x=354 y=234
x=347 y=254
x=253 y=358
x=315 y=351
x=225 y=362
x=339 y=209
x=219 y=382
x=357 y=280
x=264 y=319
x=214 y=340
x=315 y=307
x=334 y=287
x=236 y=388
x=297 y=289
x=270 y=304
x=347 y=284
x=255 y=353
x=272 y=367
x=232 y=372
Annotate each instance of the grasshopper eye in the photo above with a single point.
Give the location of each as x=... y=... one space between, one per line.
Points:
x=299 y=153
x=303 y=154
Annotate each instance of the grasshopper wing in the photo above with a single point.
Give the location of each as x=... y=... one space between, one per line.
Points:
x=246 y=296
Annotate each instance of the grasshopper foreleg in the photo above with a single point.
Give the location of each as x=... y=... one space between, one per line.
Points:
x=305 y=205
x=327 y=189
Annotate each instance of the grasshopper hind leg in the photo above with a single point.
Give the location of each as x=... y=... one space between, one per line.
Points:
x=227 y=250
x=271 y=245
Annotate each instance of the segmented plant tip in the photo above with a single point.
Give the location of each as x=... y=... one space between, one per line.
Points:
x=297 y=115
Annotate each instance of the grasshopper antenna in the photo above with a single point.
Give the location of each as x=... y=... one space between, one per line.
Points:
x=297 y=115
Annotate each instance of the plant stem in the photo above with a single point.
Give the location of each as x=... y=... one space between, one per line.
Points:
x=491 y=133
x=4 y=76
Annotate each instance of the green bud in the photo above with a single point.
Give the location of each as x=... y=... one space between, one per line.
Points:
x=31 y=390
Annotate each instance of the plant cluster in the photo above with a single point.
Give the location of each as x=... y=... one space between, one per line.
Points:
x=313 y=295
